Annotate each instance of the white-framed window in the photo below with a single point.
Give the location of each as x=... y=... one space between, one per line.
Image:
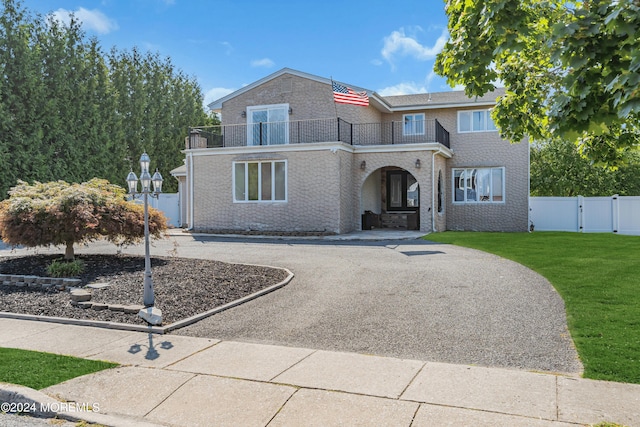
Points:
x=268 y=124
x=260 y=181
x=475 y=121
x=478 y=185
x=413 y=124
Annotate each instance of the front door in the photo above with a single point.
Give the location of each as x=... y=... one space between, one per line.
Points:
x=403 y=200
x=403 y=192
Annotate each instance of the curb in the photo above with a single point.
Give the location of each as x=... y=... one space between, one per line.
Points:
x=43 y=406
x=153 y=329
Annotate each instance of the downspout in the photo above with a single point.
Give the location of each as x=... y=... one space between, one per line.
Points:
x=433 y=188
x=190 y=191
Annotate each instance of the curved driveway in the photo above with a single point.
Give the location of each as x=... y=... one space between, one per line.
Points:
x=410 y=299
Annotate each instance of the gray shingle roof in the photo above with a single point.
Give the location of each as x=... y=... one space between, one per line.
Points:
x=440 y=98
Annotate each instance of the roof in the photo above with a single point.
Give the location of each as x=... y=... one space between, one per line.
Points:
x=217 y=104
x=423 y=101
x=440 y=99
x=179 y=171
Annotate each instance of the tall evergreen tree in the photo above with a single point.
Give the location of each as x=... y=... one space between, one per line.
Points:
x=68 y=111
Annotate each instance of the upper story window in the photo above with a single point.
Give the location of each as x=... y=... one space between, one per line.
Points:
x=268 y=124
x=475 y=121
x=478 y=185
x=262 y=181
x=413 y=124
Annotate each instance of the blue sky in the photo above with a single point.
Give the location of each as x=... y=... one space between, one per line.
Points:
x=385 y=46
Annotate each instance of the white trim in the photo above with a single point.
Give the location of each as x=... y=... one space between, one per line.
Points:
x=322 y=146
x=191 y=198
x=443 y=105
x=433 y=190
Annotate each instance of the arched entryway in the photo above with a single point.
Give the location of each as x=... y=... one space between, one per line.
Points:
x=390 y=198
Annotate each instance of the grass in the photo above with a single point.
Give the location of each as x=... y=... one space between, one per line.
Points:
x=598 y=277
x=39 y=370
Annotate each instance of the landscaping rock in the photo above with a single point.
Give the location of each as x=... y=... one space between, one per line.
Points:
x=79 y=295
x=71 y=282
x=116 y=307
x=97 y=285
x=99 y=306
x=82 y=304
x=132 y=309
x=151 y=315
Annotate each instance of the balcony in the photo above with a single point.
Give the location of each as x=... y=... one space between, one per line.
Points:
x=322 y=130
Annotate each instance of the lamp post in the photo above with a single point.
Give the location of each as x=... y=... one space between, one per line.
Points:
x=150 y=314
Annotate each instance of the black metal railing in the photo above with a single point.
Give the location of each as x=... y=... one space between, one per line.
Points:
x=321 y=130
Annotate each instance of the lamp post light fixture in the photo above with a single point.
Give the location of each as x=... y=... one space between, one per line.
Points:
x=150 y=313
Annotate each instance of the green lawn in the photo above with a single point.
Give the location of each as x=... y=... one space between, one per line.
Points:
x=598 y=277
x=39 y=370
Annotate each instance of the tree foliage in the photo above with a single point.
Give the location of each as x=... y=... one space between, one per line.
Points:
x=558 y=169
x=69 y=111
x=58 y=213
x=571 y=69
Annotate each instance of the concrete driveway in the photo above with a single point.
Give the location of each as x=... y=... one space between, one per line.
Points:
x=410 y=299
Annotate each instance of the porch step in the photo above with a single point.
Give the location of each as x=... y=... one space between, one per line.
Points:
x=393 y=220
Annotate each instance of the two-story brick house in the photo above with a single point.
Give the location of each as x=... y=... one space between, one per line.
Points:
x=289 y=159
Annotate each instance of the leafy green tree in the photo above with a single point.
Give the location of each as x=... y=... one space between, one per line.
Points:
x=571 y=69
x=58 y=213
x=558 y=169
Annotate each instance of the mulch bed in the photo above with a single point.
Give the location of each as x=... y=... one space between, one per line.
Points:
x=183 y=287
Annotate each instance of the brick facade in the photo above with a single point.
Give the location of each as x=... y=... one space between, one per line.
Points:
x=331 y=184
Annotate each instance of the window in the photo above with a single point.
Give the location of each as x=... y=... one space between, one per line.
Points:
x=478 y=185
x=268 y=124
x=475 y=121
x=264 y=181
x=413 y=124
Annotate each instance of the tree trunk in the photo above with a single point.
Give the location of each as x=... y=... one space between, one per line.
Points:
x=68 y=252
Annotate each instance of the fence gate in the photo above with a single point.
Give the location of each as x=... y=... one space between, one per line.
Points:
x=615 y=214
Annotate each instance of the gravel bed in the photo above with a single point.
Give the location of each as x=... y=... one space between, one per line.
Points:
x=183 y=287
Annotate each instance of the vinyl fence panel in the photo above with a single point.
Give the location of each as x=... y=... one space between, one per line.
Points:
x=554 y=213
x=168 y=203
x=615 y=214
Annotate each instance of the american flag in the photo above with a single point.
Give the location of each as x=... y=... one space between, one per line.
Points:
x=346 y=95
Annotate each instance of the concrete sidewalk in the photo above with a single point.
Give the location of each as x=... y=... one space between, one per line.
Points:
x=184 y=381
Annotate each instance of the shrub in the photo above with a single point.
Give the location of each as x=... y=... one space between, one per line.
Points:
x=65 y=268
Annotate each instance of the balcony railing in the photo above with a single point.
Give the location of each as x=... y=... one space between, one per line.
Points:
x=322 y=130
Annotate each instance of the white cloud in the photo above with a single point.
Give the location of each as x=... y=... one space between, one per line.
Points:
x=91 y=19
x=406 y=88
x=216 y=93
x=399 y=44
x=264 y=62
x=227 y=48
x=409 y=88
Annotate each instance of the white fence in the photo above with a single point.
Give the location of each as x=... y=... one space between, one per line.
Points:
x=615 y=214
x=169 y=204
